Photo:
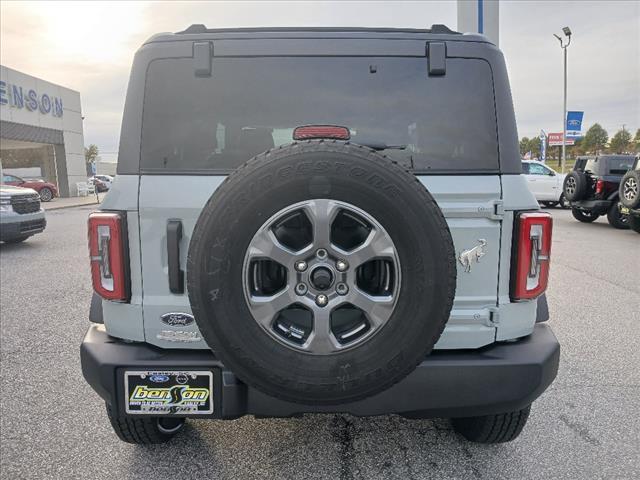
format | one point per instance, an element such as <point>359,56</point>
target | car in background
<point>46,190</point>
<point>592,188</point>
<point>545,184</point>
<point>629,194</point>
<point>106,179</point>
<point>21,214</point>
<point>99,185</point>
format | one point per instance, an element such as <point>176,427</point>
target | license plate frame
<point>168,392</point>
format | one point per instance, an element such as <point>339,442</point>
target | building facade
<point>41,131</point>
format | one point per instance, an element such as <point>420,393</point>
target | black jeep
<point>592,188</point>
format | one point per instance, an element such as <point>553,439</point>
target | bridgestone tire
<point>584,217</point>
<point>634,223</point>
<point>144,430</point>
<point>315,170</point>
<point>616,219</point>
<point>630,189</point>
<point>580,186</point>
<point>499,428</point>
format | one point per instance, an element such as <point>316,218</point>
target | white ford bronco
<point>317,221</point>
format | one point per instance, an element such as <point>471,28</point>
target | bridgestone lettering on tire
<point>321,272</point>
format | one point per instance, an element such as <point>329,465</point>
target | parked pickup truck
<point>21,215</point>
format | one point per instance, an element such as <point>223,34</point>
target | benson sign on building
<point>41,131</point>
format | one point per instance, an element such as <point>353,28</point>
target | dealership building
<point>41,131</point>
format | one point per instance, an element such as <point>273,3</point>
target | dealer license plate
<point>168,392</point>
<point>624,210</point>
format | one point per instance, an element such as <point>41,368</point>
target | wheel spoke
<point>378,309</point>
<point>321,214</point>
<point>377,245</point>
<point>321,340</point>
<point>265,308</point>
<point>266,245</point>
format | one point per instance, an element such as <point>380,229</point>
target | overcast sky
<point>89,47</point>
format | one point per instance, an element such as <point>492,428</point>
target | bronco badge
<point>467,257</point>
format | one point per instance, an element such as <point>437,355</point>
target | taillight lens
<point>599,187</point>
<point>108,254</point>
<point>309,132</point>
<point>530,273</point>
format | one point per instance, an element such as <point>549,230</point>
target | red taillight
<point>108,254</point>
<point>309,132</point>
<point>599,187</point>
<point>530,273</point>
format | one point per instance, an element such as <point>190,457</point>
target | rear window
<point>619,165</point>
<point>249,105</point>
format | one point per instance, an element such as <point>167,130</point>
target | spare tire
<point>630,189</point>
<point>575,186</point>
<point>321,272</point>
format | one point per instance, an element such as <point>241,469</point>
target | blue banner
<point>543,146</point>
<point>574,124</point>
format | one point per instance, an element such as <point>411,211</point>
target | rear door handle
<point>176,275</point>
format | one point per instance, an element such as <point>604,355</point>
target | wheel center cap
<point>322,278</point>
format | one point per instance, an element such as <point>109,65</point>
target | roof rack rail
<point>438,28</point>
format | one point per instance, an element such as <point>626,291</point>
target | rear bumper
<point>499,378</point>
<point>598,206</point>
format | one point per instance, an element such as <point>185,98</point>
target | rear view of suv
<point>592,188</point>
<point>319,221</point>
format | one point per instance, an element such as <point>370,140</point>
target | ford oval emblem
<point>159,378</point>
<point>177,319</point>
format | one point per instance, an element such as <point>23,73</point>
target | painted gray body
<point>475,207</point>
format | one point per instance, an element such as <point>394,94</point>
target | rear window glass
<point>249,105</point>
<point>619,165</point>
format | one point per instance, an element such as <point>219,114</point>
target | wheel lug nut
<point>342,265</point>
<point>342,289</point>
<point>321,253</point>
<point>301,265</point>
<point>301,289</point>
<point>322,300</point>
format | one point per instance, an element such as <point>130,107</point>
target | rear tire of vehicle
<point>634,223</point>
<point>498,428</point>
<point>340,172</point>
<point>46,194</point>
<point>17,239</point>
<point>144,430</point>
<point>630,189</point>
<point>584,216</point>
<point>616,218</point>
<point>574,186</point>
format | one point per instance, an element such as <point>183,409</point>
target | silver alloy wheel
<point>46,195</point>
<point>630,189</point>
<point>571,186</point>
<point>328,269</point>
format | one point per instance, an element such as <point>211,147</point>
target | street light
<point>567,32</point>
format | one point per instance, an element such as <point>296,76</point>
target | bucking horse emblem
<point>467,257</point>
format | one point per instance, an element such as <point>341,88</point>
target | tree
<point>90,155</point>
<point>534,147</point>
<point>636,141</point>
<point>621,142</point>
<point>524,146</point>
<point>596,138</point>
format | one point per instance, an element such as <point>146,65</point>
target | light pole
<point>567,32</point>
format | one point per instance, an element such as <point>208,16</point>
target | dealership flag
<point>574,124</point>
<point>543,146</point>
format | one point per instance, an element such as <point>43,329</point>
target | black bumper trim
<point>595,205</point>
<point>499,378</point>
<point>9,231</point>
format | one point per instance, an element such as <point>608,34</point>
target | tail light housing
<point>599,186</point>
<point>530,265</point>
<point>108,252</point>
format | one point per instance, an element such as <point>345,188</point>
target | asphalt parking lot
<point>585,426</point>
